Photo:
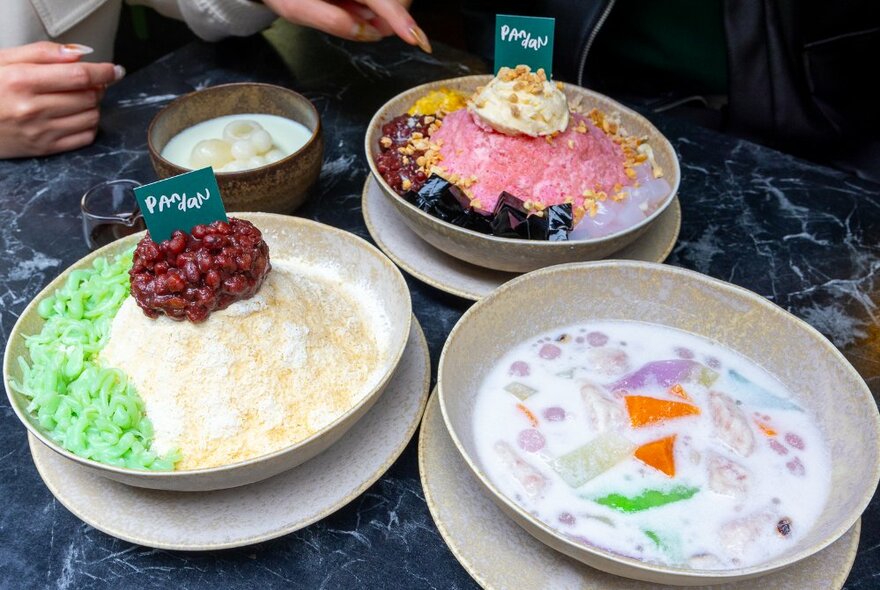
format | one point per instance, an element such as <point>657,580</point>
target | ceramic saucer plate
<point>460,278</point>
<point>498,554</point>
<point>264,510</point>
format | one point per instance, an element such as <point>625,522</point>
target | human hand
<point>358,20</point>
<point>50,100</point>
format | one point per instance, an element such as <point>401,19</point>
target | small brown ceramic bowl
<point>516,255</point>
<point>819,377</point>
<point>279,187</point>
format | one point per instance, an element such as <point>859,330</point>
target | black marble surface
<point>806,237</point>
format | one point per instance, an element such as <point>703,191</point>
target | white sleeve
<point>215,19</point>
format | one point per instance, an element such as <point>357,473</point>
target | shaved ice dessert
<point>517,159</point>
<point>197,352</point>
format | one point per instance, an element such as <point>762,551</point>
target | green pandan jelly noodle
<point>90,410</point>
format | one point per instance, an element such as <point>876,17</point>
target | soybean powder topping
<point>263,374</point>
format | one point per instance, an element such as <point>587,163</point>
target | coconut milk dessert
<point>236,142</point>
<point>652,443</point>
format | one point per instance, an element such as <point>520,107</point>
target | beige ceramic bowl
<point>291,238</point>
<point>806,363</point>
<point>511,254</point>
<point>279,187</point>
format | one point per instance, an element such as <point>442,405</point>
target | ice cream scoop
<point>520,102</point>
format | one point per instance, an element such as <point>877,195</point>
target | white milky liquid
<point>731,519</point>
<point>287,135</point>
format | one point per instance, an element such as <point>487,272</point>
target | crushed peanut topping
<point>385,142</point>
<point>406,184</point>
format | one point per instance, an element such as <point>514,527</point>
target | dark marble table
<point>806,237</point>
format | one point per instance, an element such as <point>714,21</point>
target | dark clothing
<point>795,73</point>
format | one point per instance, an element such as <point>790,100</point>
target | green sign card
<point>524,40</point>
<point>180,202</point>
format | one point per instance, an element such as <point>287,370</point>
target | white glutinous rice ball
<point>211,152</point>
<point>243,149</point>
<point>256,162</point>
<point>240,129</point>
<point>234,166</point>
<point>274,155</point>
<point>262,141</point>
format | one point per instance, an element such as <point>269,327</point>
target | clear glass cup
<point>110,211</point>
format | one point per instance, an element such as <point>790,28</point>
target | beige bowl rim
<point>574,547</point>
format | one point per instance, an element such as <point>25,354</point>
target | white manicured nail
<point>119,72</point>
<point>76,49</point>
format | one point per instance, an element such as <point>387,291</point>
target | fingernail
<point>76,49</point>
<point>366,32</point>
<point>119,72</point>
<point>421,39</point>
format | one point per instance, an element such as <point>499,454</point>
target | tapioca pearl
<point>597,339</point>
<point>243,150</point>
<point>684,353</point>
<point>566,518</point>
<point>240,129</point>
<point>549,352</point>
<point>261,141</point>
<point>777,447</point>
<point>531,440</point>
<point>796,467</point>
<point>554,414</point>
<point>794,441</point>
<point>519,369</point>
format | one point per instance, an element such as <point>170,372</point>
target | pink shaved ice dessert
<point>521,162</point>
<point>546,171</point>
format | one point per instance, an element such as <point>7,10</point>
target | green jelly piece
<point>520,390</point>
<point>754,395</point>
<point>594,458</point>
<point>647,499</point>
<point>706,376</point>
<point>654,537</point>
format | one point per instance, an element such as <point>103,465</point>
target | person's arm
<point>358,20</point>
<point>213,20</point>
<point>49,100</point>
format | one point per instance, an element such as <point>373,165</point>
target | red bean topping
<point>190,275</point>
<point>391,163</point>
